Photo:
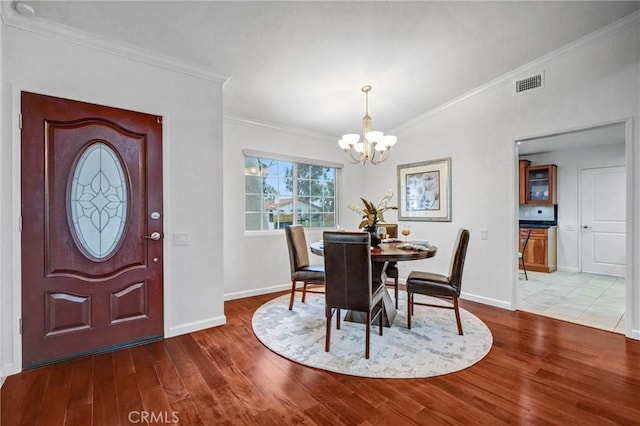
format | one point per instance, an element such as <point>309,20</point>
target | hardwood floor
<point>539,371</point>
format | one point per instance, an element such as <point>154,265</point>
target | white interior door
<point>603,220</point>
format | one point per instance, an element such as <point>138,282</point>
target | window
<point>281,191</point>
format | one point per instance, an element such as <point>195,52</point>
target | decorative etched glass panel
<point>98,201</point>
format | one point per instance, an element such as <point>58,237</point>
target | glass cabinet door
<point>538,184</point>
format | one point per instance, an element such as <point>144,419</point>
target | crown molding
<point>631,20</point>
<point>249,122</point>
<point>83,38</point>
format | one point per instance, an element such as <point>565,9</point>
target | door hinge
<point>159,120</point>
<point>20,121</point>
<point>20,326</point>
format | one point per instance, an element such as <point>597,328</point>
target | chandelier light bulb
<point>389,140</point>
<point>374,136</point>
<point>351,138</point>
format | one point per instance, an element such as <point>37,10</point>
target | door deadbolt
<point>155,215</point>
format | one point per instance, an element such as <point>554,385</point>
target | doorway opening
<point>590,217</point>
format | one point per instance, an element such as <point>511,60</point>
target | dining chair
<point>312,276</point>
<point>347,265</point>
<point>440,286</point>
<point>524,242</point>
<point>392,267</point>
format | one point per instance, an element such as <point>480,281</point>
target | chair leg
<point>304,292</point>
<point>367,335</point>
<point>293,294</point>
<point>327,339</point>
<point>380,318</point>
<point>409,308</point>
<point>338,318</point>
<point>457,310</point>
<point>524,268</point>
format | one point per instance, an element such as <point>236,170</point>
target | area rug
<point>432,347</point>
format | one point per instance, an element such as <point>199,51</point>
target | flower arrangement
<point>373,214</point>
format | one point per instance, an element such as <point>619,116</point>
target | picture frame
<point>424,191</point>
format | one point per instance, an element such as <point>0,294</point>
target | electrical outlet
<point>484,234</point>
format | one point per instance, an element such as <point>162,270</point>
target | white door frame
<point>632,284</point>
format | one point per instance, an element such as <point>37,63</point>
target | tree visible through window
<point>280,192</point>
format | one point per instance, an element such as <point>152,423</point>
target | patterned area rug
<point>432,347</point>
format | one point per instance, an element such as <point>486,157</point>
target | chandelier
<point>374,145</point>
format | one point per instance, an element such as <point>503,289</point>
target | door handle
<point>586,227</point>
<point>155,236</point>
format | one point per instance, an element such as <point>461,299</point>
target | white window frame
<point>296,161</point>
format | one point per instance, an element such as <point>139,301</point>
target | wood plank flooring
<point>539,371</point>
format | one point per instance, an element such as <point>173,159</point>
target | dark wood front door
<point>92,260</point>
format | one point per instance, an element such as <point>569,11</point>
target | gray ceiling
<point>302,64</point>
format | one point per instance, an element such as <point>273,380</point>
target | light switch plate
<point>484,234</point>
<point>181,239</point>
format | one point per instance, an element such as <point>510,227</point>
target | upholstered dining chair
<point>347,265</point>
<point>441,286</point>
<point>524,242</point>
<point>311,276</point>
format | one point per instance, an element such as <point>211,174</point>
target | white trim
<point>604,32</point>
<point>16,202</point>
<point>256,292</point>
<point>632,288</point>
<point>503,304</point>
<point>249,122</point>
<point>572,269</point>
<point>196,326</point>
<point>571,130</point>
<point>292,158</point>
<point>93,41</point>
<point>2,238</point>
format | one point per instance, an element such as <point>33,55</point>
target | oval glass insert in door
<point>98,201</point>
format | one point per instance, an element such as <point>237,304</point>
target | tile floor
<point>594,300</point>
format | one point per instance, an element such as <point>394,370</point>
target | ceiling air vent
<point>528,83</point>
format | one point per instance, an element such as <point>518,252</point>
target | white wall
<point>592,82</point>
<point>258,262</point>
<point>569,163</point>
<point>191,104</point>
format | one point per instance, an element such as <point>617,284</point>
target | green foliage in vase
<point>373,214</point>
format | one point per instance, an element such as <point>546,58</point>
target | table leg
<point>379,278</point>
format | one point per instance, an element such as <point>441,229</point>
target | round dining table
<point>381,255</point>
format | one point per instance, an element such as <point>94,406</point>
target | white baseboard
<point>8,370</point>
<point>257,291</point>
<point>486,301</point>
<point>197,326</point>
<point>568,269</point>
<point>480,299</point>
<point>635,334</point>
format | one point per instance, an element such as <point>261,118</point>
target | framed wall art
<point>424,191</point>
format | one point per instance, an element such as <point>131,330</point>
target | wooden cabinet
<point>522,180</point>
<point>541,252</point>
<point>541,185</point>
